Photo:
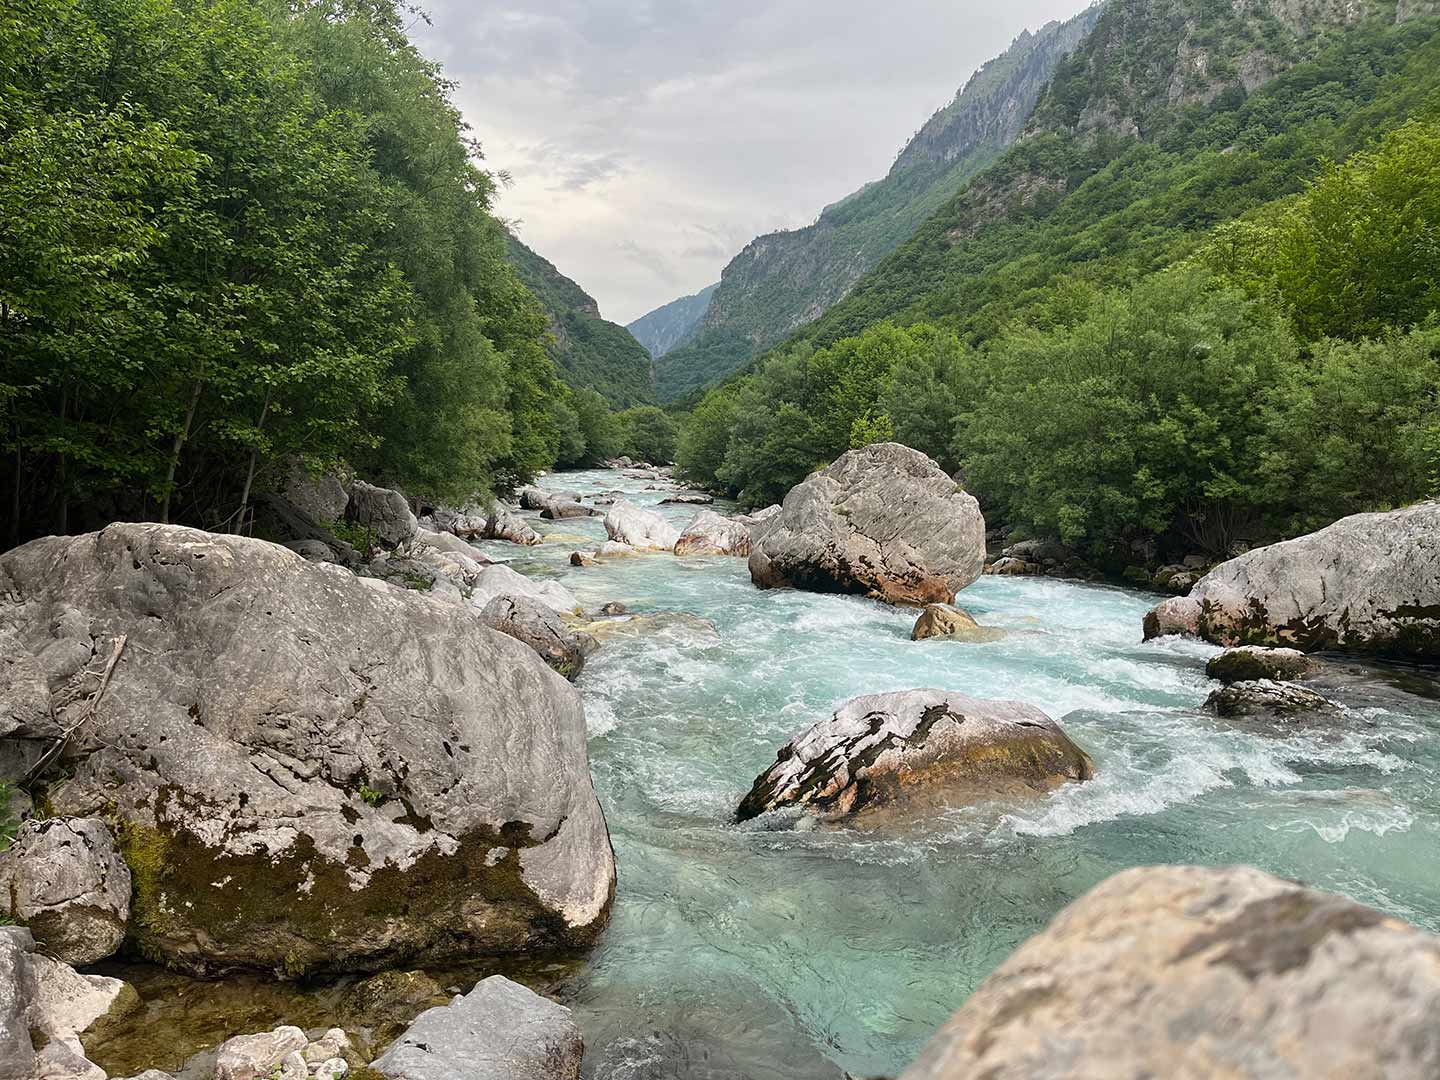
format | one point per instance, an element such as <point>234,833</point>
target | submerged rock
<point>1366,584</point>
<point>1264,697</point>
<point>531,622</point>
<point>498,1031</point>
<point>917,749</point>
<point>64,879</point>
<point>651,623</point>
<point>948,621</point>
<point>643,530</point>
<point>711,534</point>
<point>1200,972</point>
<point>308,773</point>
<point>385,514</point>
<point>885,521</point>
<point>1250,662</point>
<point>385,1003</point>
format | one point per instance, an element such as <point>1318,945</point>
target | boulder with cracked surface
<point>498,1031</point>
<point>310,774</point>
<point>884,521</point>
<point>384,513</point>
<point>1203,972</point>
<point>711,534</point>
<point>503,523</point>
<point>500,580</point>
<point>65,880</point>
<point>1266,697</point>
<point>1368,584</point>
<point>916,751</point>
<point>534,624</point>
<point>643,530</point>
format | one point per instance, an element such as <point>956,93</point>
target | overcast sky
<point>650,140</point>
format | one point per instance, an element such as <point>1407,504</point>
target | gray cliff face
<point>784,280</point>
<point>667,328</point>
<point>310,771</point>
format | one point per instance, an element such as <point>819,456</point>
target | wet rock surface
<point>643,530</point>
<point>948,621</point>
<point>1265,697</point>
<point>915,751</point>
<point>885,521</point>
<point>711,534</point>
<point>1250,662</point>
<point>1199,972</point>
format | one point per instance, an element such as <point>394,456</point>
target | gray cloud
<point>650,140</point>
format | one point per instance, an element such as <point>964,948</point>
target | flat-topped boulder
<point>643,530</point>
<point>1249,662</point>
<point>65,880</point>
<point>308,772</point>
<point>884,521</point>
<point>1182,971</point>
<point>917,750</point>
<point>500,580</point>
<point>1366,584</point>
<point>498,1031</point>
<point>711,534</point>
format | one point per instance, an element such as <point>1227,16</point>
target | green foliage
<point>370,796</point>
<point>647,433</point>
<point>235,230</point>
<point>589,352</point>
<point>9,823</point>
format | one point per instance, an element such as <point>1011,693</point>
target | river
<point>773,951</point>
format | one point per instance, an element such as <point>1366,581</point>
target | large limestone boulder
<point>309,773</point>
<point>384,513</point>
<point>65,880</point>
<point>643,530</point>
<point>1367,584</point>
<point>498,1031</point>
<point>46,1007</point>
<point>1181,971</point>
<point>711,534</point>
<point>917,750</point>
<point>885,521</point>
<point>539,627</point>
<point>322,494</point>
<point>503,523</point>
<point>500,580</point>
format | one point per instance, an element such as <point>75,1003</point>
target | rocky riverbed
<point>793,946</point>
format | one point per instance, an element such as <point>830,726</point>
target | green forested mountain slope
<point>1195,307</point>
<point>1173,116</point>
<point>784,280</point>
<point>588,350</point>
<point>667,328</point>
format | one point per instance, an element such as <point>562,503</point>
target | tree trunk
<point>250,473</point>
<point>180,437</point>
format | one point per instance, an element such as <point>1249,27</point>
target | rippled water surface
<point>768,951</point>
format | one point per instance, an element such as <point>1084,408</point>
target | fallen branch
<point>86,715</point>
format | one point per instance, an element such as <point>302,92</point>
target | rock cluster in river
<point>1200,972</point>
<point>1366,584</point>
<point>884,521</point>
<point>309,773</point>
<point>916,750</point>
<point>643,530</point>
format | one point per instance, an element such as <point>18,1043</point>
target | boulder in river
<point>65,880</point>
<point>564,510</point>
<point>692,629</point>
<point>1366,584</point>
<point>1181,971</point>
<point>643,530</point>
<point>498,1031</point>
<point>500,580</point>
<point>884,521</point>
<point>688,498</point>
<point>949,621</point>
<point>1249,662</point>
<point>383,513</point>
<point>531,622</point>
<point>711,534</point>
<point>917,750</point>
<point>503,523</point>
<point>308,773</point>
<point>1265,697</point>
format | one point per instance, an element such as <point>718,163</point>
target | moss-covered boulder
<point>309,773</point>
<point>957,624</point>
<point>1249,662</point>
<point>917,751</point>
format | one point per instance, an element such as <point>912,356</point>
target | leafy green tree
<point>648,433</point>
<point>704,437</point>
<point>600,427</point>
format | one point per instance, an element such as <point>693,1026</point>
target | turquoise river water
<point>769,951</point>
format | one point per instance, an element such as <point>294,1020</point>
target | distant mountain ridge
<point>784,280</point>
<point>666,328</point>
<point>588,350</point>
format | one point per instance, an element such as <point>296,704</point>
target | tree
<point>648,434</point>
